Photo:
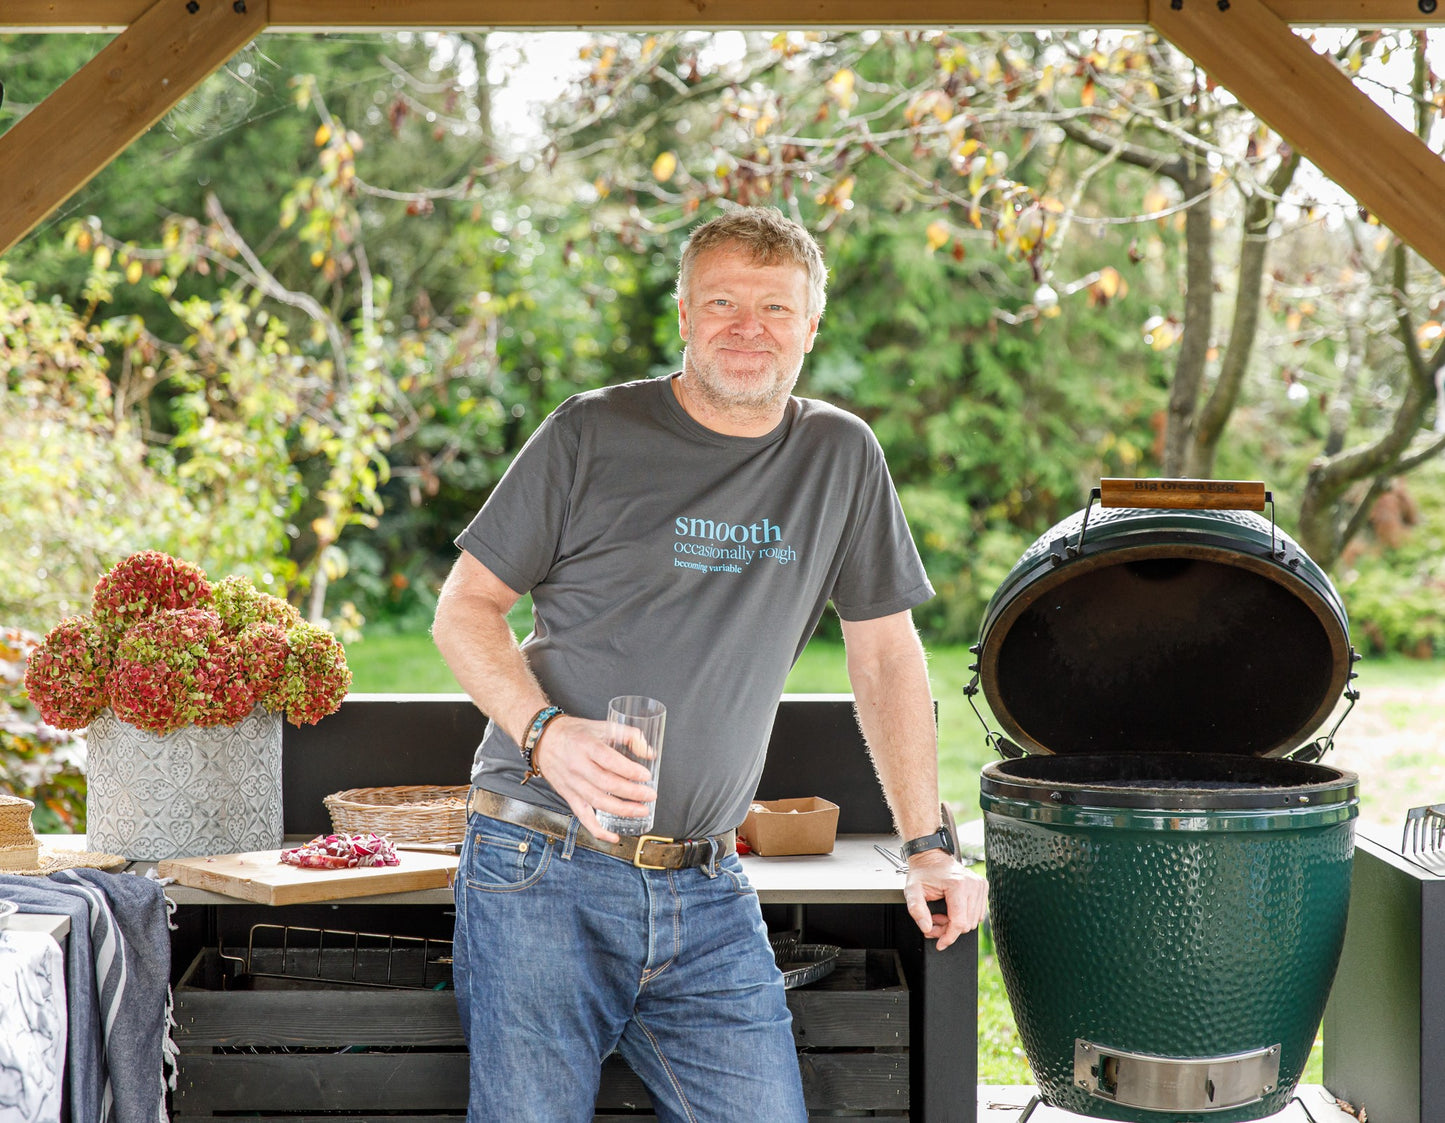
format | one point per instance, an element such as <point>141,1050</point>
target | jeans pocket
<point>505,859</point>
<point>732,869</point>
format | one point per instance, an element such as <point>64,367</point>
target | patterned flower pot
<point>200,790</point>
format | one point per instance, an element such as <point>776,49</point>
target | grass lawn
<point>409,663</point>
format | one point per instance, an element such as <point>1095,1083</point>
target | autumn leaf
<point>841,88</point>
<point>323,135</point>
<point>962,153</point>
<point>938,236</point>
<point>840,196</point>
<point>1161,332</point>
<point>1106,286</point>
<point>664,167</point>
<point>1156,201</point>
<point>930,103</point>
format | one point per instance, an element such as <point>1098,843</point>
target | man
<point>680,538</point>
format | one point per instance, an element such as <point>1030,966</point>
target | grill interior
<point>1163,654</point>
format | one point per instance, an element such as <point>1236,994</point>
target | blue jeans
<point>564,955</point>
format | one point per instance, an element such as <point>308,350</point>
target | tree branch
<point>268,284</point>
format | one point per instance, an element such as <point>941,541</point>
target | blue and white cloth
<point>118,967</point>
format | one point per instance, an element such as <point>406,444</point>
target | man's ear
<point>812,332</point>
<point>682,319</point>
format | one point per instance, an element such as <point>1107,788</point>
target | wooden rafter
<point>166,47</point>
<point>102,15</point>
<point>1317,109</point>
<point>56,148</point>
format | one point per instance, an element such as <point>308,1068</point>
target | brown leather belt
<point>646,851</point>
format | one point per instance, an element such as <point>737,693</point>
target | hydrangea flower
<point>164,648</point>
<point>66,675</point>
<point>240,604</point>
<point>316,677</point>
<point>163,674</point>
<point>144,583</point>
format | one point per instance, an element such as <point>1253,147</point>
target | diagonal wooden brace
<point>57,147</point>
<point>1303,96</point>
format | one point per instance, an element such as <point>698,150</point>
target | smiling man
<point>680,538</point>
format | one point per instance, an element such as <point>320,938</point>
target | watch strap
<point>941,839</point>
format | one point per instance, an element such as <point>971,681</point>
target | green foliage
<point>1393,580</point>
<point>113,440</point>
<point>320,360</point>
<point>1396,608</point>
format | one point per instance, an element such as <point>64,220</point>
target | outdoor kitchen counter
<point>893,1030</point>
<point>853,874</point>
<point>852,898</point>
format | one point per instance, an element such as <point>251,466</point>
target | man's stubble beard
<point>703,387</point>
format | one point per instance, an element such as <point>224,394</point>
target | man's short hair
<point>770,237</point>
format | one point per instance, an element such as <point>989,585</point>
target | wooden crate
<point>294,1047</point>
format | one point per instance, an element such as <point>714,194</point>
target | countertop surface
<point>854,873</point>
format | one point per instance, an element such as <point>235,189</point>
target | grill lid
<point>1163,627</point>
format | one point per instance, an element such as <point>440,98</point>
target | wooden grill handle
<point>1192,495</point>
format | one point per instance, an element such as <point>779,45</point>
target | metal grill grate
<point>343,957</point>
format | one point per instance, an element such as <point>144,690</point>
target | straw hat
<point>21,852</point>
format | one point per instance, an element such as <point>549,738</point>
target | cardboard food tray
<point>260,876</point>
<point>791,826</point>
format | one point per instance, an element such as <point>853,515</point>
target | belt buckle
<point>643,840</point>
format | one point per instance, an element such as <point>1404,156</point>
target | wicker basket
<point>414,813</point>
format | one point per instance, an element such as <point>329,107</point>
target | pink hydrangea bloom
<point>164,648</point>
<point>66,675</point>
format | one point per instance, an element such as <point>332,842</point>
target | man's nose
<point>748,322</point>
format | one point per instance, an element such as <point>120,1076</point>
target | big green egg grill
<point>1169,866</point>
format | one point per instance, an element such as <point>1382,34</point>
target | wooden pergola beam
<point>168,46</point>
<point>1310,102</point>
<point>56,148</point>
<point>375,15</point>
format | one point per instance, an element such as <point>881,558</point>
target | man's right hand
<point>576,758</point>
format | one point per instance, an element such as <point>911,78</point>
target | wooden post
<point>57,147</point>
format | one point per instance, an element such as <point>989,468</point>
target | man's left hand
<point>935,875</point>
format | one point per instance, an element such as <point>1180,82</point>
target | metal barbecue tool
<point>1424,830</point>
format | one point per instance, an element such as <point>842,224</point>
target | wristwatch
<point>941,839</point>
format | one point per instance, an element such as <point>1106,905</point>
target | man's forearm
<point>477,643</point>
<point>889,675</point>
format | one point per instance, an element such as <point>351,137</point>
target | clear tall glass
<point>649,717</point>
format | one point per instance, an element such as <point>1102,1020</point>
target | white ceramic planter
<point>200,790</point>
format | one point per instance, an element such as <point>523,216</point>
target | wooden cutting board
<point>261,876</point>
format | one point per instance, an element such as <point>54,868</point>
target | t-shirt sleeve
<point>881,572</point>
<point>518,532</point>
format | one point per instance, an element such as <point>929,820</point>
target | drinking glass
<point>650,716</point>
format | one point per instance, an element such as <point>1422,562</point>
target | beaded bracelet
<point>534,734</point>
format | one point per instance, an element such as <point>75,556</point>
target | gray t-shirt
<point>669,560</point>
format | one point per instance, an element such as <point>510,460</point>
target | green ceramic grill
<point>1169,867</point>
